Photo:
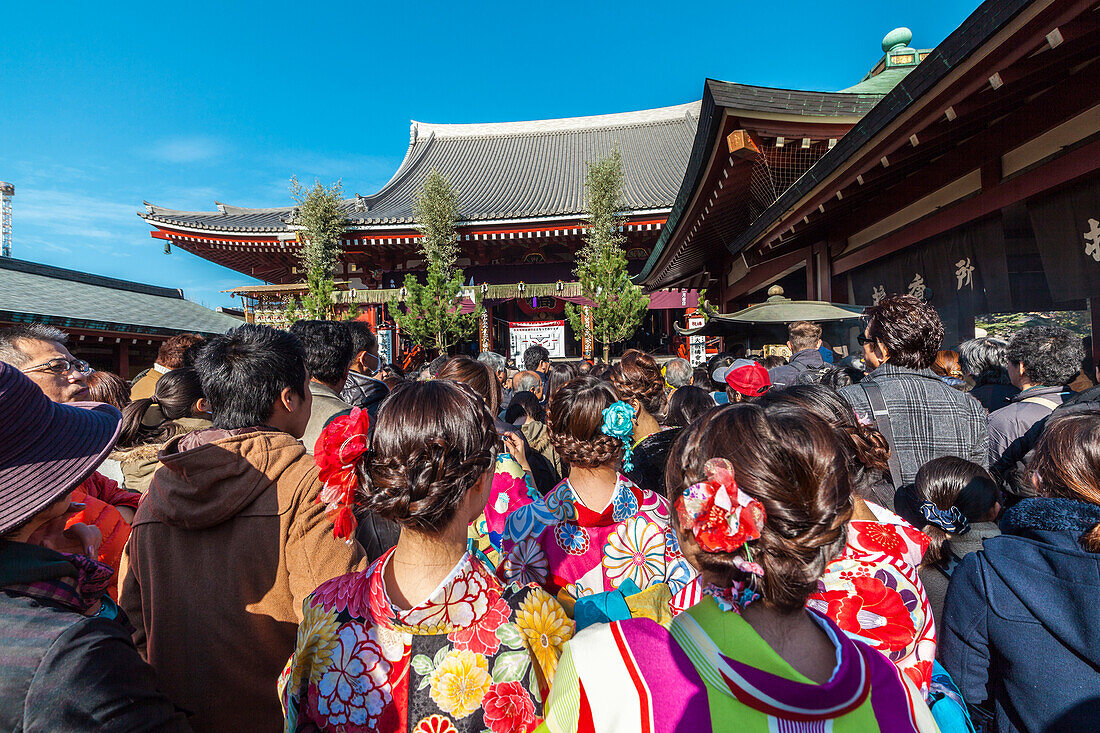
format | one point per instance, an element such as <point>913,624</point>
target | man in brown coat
<point>230,538</point>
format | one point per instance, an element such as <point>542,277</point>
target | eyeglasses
<point>61,367</point>
<point>863,340</point>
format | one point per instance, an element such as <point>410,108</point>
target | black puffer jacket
<point>364,392</point>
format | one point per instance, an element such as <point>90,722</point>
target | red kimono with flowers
<point>872,592</point>
<point>473,657</point>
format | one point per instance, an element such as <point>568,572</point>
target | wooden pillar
<point>124,359</point>
<point>1094,310</point>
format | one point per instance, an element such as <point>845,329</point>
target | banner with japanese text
<point>548,334</point>
<point>697,344</point>
<point>385,346</point>
<point>1067,233</point>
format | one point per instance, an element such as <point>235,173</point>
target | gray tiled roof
<point>791,101</point>
<point>67,297</point>
<point>505,170</point>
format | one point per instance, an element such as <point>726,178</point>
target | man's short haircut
<point>10,353</point>
<point>495,361</point>
<point>527,381</point>
<point>244,372</point>
<point>171,352</point>
<point>803,335</point>
<point>328,350</point>
<point>1051,355</point>
<point>909,328</point>
<point>984,359</point>
<point>678,372</point>
<point>535,355</point>
<point>362,338</point>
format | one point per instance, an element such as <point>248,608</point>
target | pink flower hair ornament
<point>721,516</point>
<point>340,446</point>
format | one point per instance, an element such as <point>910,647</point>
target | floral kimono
<point>873,592</point>
<point>711,671</point>
<point>512,488</point>
<point>472,657</point>
<point>573,551</point>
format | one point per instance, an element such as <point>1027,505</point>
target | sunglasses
<point>61,367</point>
<point>864,341</point>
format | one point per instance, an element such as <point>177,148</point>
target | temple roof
<point>504,170</point>
<point>508,171</point>
<point>44,294</point>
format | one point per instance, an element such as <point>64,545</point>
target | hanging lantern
<point>484,288</point>
<point>560,286</point>
<point>521,287</point>
<point>404,292</point>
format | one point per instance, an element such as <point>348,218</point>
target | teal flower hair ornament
<point>618,422</point>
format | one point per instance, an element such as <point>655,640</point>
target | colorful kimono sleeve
<point>567,697</point>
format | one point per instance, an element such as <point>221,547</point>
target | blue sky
<point>103,105</point>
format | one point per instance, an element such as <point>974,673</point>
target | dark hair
<point>984,360</point>
<point>686,405</point>
<point>559,375</point>
<point>909,328</point>
<point>392,369</point>
<point>432,441</point>
<point>869,450</point>
<point>700,377</point>
<point>773,361</point>
<point>724,359</point>
<point>479,375</point>
<point>149,420</point>
<point>575,418</point>
<point>599,370</point>
<point>803,335</point>
<point>108,387</point>
<point>1051,355</point>
<point>525,403</point>
<point>328,351</point>
<point>793,462</point>
<point>171,352</point>
<point>535,355</point>
<point>947,364</point>
<point>11,354</point>
<point>637,376</point>
<point>244,372</point>
<point>948,482</point>
<point>435,365</point>
<point>1066,463</point>
<point>362,338</point>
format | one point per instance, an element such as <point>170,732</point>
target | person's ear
<point>201,406</point>
<point>288,399</point>
<point>818,344</point>
<point>880,351</point>
<point>790,346</point>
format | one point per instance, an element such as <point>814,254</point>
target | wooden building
<point>115,325</point>
<point>974,183</point>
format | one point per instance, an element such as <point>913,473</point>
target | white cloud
<point>186,149</point>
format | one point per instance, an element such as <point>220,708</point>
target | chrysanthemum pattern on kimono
<point>563,545</point>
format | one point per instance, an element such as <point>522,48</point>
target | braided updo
<point>793,462</point>
<point>575,419</point>
<point>637,376</point>
<point>432,441</point>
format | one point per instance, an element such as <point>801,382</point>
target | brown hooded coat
<point>227,543</point>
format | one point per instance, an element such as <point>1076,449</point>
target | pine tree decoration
<point>321,216</point>
<point>619,305</point>
<point>429,314</point>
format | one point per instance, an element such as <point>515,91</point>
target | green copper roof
<point>881,83</point>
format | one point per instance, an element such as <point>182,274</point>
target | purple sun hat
<point>46,449</point>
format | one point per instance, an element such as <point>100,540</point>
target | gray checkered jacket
<point>929,419</point>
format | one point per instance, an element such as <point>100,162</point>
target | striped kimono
<point>711,671</point>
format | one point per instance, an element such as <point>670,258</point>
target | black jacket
<point>542,471</point>
<point>786,374</point>
<point>993,396</point>
<point>1021,624</point>
<point>650,457</point>
<point>63,671</point>
<point>364,392</point>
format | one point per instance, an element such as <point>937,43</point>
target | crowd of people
<point>272,530</point>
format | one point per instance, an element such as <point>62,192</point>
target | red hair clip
<point>718,513</point>
<point>341,444</point>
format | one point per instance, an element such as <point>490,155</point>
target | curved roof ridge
<point>229,209</point>
<point>589,122</point>
<point>755,87</point>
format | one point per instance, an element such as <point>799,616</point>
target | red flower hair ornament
<point>341,444</point>
<point>719,514</point>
